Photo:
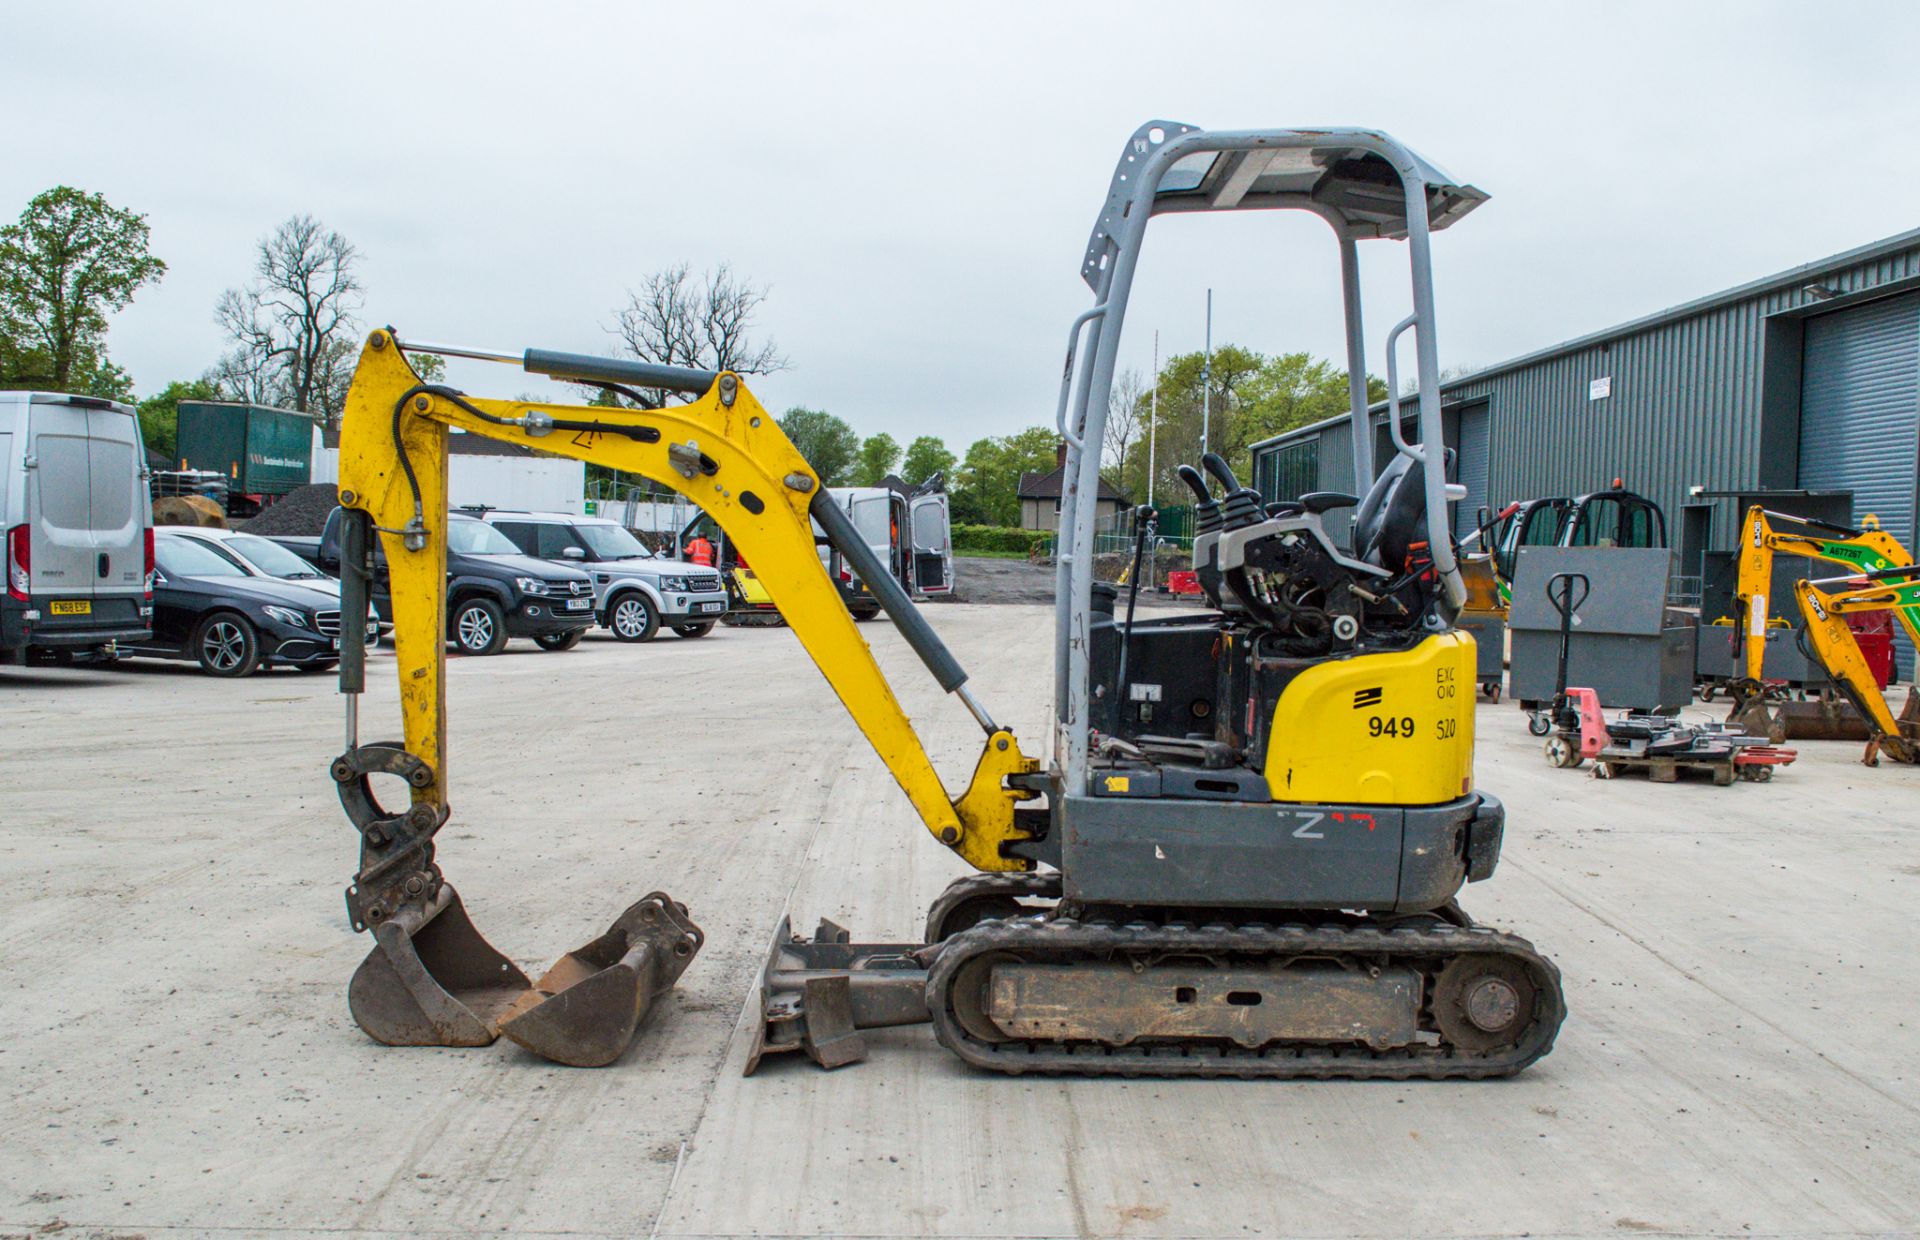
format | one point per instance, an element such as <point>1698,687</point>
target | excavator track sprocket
<point>1321,1000</point>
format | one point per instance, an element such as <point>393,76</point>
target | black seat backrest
<point>1366,517</point>
<point>1399,519</point>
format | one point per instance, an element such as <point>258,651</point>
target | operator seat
<point>1393,516</point>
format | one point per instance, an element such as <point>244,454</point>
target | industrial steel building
<point>1806,379</point>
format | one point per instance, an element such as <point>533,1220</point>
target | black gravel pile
<point>302,511</point>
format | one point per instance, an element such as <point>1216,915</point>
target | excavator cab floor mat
<point>432,979</point>
<point>585,1009</point>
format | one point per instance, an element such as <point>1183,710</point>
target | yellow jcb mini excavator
<point>1243,856</point>
<point>1886,568</point>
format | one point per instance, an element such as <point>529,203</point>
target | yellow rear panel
<point>1378,729</point>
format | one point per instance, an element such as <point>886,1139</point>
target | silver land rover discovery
<point>634,591</point>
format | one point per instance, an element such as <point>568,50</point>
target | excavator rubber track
<point>1331,974</point>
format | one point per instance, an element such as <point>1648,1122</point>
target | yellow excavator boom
<point>431,978</point>
<point>1838,651</point>
<point>1764,535</point>
<point>724,452</point>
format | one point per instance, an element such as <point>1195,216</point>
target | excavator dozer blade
<point>584,1010</point>
<point>432,979</point>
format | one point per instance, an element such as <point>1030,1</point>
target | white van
<point>908,529</point>
<point>78,526</point>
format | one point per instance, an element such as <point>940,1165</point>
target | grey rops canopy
<point>1366,186</point>
<point>1340,174</point>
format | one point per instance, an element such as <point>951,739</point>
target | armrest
<point>1327,501</point>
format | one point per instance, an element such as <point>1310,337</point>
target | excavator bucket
<point>1827,717</point>
<point>584,1010</point>
<point>432,980</point>
<point>1758,716</point>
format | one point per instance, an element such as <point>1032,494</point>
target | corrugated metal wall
<point>1685,407</point>
<point>1684,410</point>
<point>1861,394</point>
<point>1475,453</point>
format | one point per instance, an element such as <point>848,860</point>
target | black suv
<point>493,592</point>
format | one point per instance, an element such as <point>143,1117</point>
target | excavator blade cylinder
<point>432,980</point>
<point>584,1010</point>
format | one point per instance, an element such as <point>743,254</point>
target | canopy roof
<point>1351,177</point>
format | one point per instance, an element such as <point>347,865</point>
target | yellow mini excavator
<point>1885,579</point>
<point>1243,855</point>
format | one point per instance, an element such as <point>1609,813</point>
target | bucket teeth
<point>584,1010</point>
<point>432,979</point>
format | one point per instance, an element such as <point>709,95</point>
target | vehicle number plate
<point>708,609</point>
<point>336,643</point>
<point>579,604</point>
<point>71,607</point>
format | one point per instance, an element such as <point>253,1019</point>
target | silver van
<point>635,592</point>
<point>79,526</point>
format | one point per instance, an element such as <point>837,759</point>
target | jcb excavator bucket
<point>1828,717</point>
<point>1757,716</point>
<point>432,980</point>
<point>584,1010</point>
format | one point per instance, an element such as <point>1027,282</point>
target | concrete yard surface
<point>177,1057</point>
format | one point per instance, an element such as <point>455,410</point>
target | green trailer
<point>259,450</point>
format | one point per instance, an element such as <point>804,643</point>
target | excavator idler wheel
<point>1483,1003</point>
<point>971,994</point>
<point>584,1011</point>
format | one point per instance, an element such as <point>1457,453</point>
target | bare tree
<point>1125,421</point>
<point>293,328</point>
<point>704,322</point>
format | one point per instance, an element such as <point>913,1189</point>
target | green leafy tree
<point>987,485</point>
<point>160,413</point>
<point>830,445</point>
<point>70,260</point>
<point>927,456</point>
<point>1252,397</point>
<point>1293,390</point>
<point>878,455</point>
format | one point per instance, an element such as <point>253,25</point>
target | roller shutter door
<point>1475,449</point>
<point>1860,413</point>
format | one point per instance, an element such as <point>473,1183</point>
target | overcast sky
<point>917,190</point>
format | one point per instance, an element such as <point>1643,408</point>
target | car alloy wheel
<point>479,627</point>
<point>227,647</point>
<point>476,628</point>
<point>633,619</point>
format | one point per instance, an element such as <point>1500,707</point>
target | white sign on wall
<point>1600,388</point>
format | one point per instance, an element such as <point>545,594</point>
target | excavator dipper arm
<point>1838,651</point>
<point>726,453</point>
<point>1764,535</point>
<point>431,978</point>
